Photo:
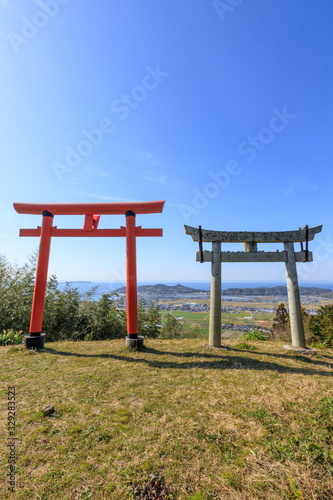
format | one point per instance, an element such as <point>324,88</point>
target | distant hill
<point>63,282</point>
<point>163,289</point>
<point>278,290</point>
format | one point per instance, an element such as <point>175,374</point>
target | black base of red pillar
<point>134,342</point>
<point>33,341</point>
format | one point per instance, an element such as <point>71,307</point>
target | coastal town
<point>241,312</point>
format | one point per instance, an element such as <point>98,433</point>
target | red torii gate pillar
<point>35,339</point>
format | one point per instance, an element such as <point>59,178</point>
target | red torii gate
<point>92,213</point>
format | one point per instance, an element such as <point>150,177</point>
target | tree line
<point>68,314</point>
<point>318,328</point>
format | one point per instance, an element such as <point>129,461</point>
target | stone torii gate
<point>92,213</point>
<point>251,254</point>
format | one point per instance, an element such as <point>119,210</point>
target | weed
<point>233,479</point>
<point>295,493</point>
<point>264,417</point>
<point>254,335</point>
<point>154,489</point>
<point>225,444</point>
<point>245,345</point>
<point>11,337</point>
<point>197,496</point>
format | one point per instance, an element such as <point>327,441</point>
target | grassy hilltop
<point>214,423</point>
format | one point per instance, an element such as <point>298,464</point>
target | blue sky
<point>221,108</point>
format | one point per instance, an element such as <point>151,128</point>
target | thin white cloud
<point>148,157</point>
<point>148,175</point>
<point>306,184</point>
<point>163,180</point>
<point>103,197</point>
<point>151,174</point>
<point>299,184</point>
<point>87,171</point>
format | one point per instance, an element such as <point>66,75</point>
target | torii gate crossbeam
<point>92,213</point>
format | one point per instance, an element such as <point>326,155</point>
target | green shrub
<point>67,314</point>
<point>101,320</point>
<point>254,335</point>
<point>61,311</point>
<point>16,290</point>
<point>149,318</point>
<point>191,331</point>
<point>319,327</point>
<point>171,329</point>
<point>11,337</point>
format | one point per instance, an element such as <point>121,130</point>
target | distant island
<point>80,281</point>
<point>74,282</point>
<point>161,289</point>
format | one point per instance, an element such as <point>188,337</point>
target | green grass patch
<point>245,345</point>
<point>187,315</point>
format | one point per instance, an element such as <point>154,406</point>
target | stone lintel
<point>255,256</point>
<point>254,237</point>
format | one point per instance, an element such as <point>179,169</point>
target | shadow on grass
<point>211,361</point>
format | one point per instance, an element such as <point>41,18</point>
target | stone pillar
<point>295,309</point>
<point>215,297</point>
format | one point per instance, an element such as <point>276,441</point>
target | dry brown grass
<point>217,424</point>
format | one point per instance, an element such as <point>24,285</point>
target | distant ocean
<point>107,287</point>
